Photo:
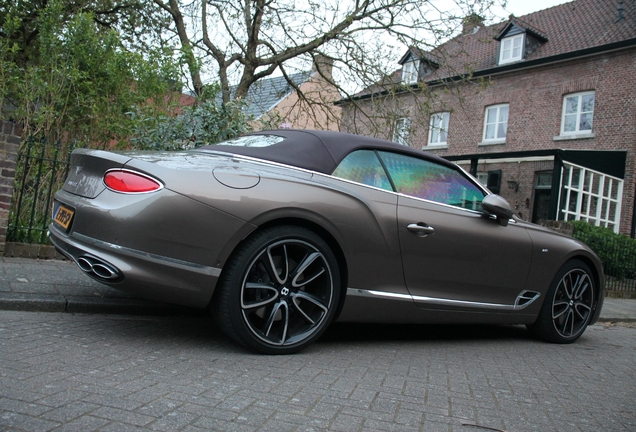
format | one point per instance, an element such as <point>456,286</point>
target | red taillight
<point>130,182</point>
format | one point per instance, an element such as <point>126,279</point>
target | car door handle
<point>421,229</point>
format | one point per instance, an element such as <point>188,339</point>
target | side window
<point>578,112</point>
<point>363,166</point>
<point>496,123</point>
<point>438,129</point>
<point>401,131</point>
<point>431,181</point>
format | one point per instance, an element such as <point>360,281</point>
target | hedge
<point>616,251</point>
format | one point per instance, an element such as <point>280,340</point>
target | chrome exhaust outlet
<point>98,268</point>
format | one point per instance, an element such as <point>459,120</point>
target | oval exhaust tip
<point>104,271</point>
<point>99,269</point>
<point>84,264</point>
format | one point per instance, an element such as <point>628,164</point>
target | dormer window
<point>416,64</point>
<point>517,41</point>
<point>511,49</point>
<point>410,71</point>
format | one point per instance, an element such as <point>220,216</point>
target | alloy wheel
<point>572,303</point>
<point>287,292</point>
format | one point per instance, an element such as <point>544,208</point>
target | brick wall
<point>9,146</point>
<point>536,100</point>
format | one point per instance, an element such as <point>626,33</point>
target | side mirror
<point>498,206</point>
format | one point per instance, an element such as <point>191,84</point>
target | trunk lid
<point>86,173</point>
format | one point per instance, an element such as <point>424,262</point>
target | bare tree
<point>244,41</point>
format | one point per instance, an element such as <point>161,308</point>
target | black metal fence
<point>621,285</point>
<point>619,265</point>
<point>41,170</point>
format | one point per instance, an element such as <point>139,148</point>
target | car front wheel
<point>279,292</point>
<point>569,304</point>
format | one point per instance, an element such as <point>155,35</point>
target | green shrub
<point>77,81</point>
<point>205,122</point>
<point>616,251</point>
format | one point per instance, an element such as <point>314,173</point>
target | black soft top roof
<point>315,150</point>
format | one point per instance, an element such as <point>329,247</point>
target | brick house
<point>540,108</point>
<point>270,100</point>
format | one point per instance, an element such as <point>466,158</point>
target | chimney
<point>324,63</point>
<point>620,9</point>
<point>471,23</point>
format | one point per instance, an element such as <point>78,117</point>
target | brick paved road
<point>117,373</point>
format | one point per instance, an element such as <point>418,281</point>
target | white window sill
<point>492,142</point>
<point>505,62</point>
<point>435,147</point>
<point>574,136</point>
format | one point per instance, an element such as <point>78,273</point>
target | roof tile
<point>568,27</point>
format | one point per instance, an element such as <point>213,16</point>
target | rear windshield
<point>253,141</point>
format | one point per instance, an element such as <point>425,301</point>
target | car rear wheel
<point>279,292</point>
<point>569,304</point>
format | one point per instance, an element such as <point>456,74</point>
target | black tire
<point>279,291</point>
<point>568,306</point>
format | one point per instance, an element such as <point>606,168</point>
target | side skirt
<point>383,307</point>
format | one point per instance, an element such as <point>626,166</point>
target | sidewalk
<point>60,286</point>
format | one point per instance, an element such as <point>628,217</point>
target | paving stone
<point>85,423</point>
<point>122,416</point>
<point>346,423</point>
<point>30,409</point>
<point>173,421</point>
<point>118,373</point>
<point>216,424</point>
<point>16,421</point>
<point>409,416</point>
<point>324,410</point>
<point>70,411</point>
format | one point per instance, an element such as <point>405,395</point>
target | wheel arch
<point>325,234</point>
<point>599,281</point>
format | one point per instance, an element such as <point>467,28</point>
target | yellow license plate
<point>63,216</point>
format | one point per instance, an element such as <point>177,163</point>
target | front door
<point>468,258</point>
<point>541,205</point>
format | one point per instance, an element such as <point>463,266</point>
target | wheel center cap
<point>284,291</point>
<point>571,303</point>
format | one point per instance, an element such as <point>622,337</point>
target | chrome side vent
<point>525,298</point>
<point>99,269</point>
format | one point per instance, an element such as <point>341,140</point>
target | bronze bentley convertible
<point>282,232</point>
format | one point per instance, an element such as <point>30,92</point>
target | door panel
<point>541,207</point>
<point>469,257</point>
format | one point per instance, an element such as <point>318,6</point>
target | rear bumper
<point>139,273</point>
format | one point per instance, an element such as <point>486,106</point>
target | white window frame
<point>438,123</point>
<point>582,197</point>
<point>482,178</point>
<point>507,49</point>
<point>578,113</point>
<point>410,71</point>
<point>496,139</point>
<point>401,131</point>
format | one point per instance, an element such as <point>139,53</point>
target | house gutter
<point>586,52</point>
